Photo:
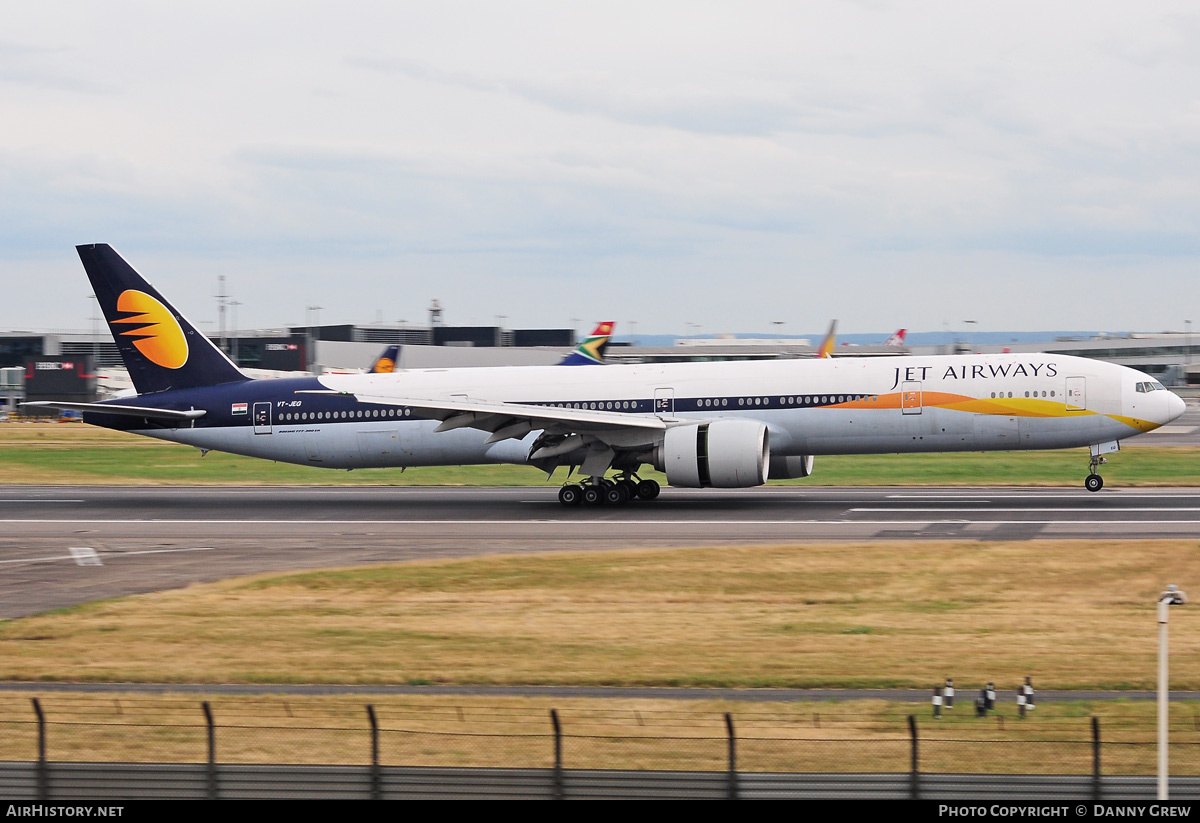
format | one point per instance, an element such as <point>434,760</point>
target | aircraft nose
<point>1175,407</point>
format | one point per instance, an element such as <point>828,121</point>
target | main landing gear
<point>596,491</point>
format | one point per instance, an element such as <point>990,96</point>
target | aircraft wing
<point>515,420</point>
<point>113,408</point>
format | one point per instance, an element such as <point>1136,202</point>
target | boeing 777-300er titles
<point>715,424</point>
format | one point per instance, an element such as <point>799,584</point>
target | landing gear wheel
<point>1094,483</point>
<point>616,494</point>
<point>648,489</point>
<point>593,495</point>
<point>570,495</point>
<point>630,488</point>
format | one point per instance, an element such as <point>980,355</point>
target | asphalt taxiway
<point>61,546</point>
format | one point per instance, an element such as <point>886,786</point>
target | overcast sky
<point>688,167</point>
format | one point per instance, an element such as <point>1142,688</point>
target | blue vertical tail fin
<point>162,350</point>
<point>386,362</point>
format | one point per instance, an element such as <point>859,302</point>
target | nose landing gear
<point>1094,481</point>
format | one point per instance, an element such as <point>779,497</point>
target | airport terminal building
<point>46,365</point>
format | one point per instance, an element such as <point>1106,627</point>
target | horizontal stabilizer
<point>112,408</point>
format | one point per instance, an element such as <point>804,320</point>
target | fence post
<point>212,751</point>
<point>558,775</point>
<point>374,752</point>
<point>1096,758</point>
<point>733,775</point>
<point>915,774</point>
<point>43,782</point>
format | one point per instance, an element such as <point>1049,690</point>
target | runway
<point>62,546</point>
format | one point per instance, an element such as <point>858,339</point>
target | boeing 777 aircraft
<point>714,424</point>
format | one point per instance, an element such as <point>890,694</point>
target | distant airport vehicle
<point>723,424</point>
<point>896,339</point>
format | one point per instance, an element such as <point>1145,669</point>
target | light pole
<point>312,317</point>
<point>95,332</point>
<point>1171,597</point>
<point>233,304</point>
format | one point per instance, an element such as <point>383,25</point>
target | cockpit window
<point>1157,386</point>
<point>1141,387</point>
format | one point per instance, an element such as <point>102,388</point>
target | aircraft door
<point>664,402</point>
<point>1076,394</point>
<point>262,418</point>
<point>910,397</point>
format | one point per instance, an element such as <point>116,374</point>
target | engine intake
<point>725,454</point>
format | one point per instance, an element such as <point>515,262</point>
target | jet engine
<point>726,454</point>
<point>788,468</point>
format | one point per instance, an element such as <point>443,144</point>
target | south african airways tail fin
<point>162,350</point>
<point>591,351</point>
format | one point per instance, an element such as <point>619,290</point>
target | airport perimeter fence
<point>115,751</point>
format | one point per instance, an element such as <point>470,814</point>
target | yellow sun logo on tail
<point>158,335</point>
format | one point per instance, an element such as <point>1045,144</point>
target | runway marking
<point>1030,509</point>
<point>38,500</point>
<point>85,556</point>
<point>167,551</point>
<point>74,556</point>
<point>593,521</point>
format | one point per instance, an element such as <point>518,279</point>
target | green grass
<point>77,454</point>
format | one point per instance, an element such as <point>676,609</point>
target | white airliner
<point>715,424</point>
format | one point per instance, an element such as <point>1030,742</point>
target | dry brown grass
<point>644,734</point>
<point>1073,614</point>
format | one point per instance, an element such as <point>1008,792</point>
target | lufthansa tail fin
<point>161,349</point>
<point>591,351</point>
<point>386,362</point>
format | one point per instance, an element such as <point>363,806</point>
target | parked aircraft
<point>591,351</point>
<point>896,339</point>
<point>588,353</point>
<point>386,362</point>
<point>828,343</point>
<point>719,424</point>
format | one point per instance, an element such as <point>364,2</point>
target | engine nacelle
<point>726,454</point>
<point>789,468</point>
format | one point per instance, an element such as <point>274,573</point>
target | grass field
<point>46,453</point>
<point>1072,614</point>
<point>827,736</point>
